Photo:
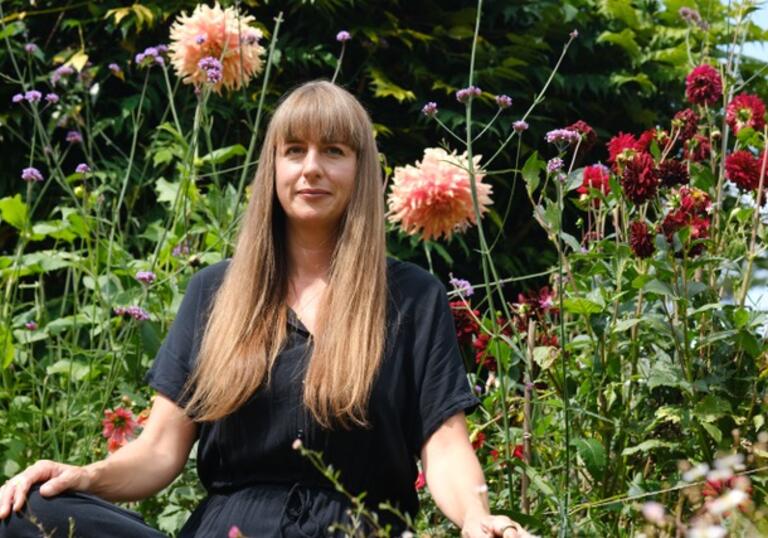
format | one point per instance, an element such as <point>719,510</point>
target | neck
<point>309,251</point>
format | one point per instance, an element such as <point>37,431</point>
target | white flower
<point>708,531</point>
<point>693,474</point>
<point>654,512</point>
<point>727,502</point>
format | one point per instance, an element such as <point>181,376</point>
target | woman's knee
<point>40,516</point>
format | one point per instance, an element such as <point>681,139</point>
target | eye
<point>293,149</point>
<point>335,150</point>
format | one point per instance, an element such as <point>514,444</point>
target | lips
<point>313,191</point>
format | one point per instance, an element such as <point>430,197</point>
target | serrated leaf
<point>647,446</point>
<point>624,39</point>
<point>580,305</point>
<point>592,453</point>
<point>14,211</point>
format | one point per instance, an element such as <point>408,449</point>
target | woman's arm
<point>136,471</point>
<point>456,482</point>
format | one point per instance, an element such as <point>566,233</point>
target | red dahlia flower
<point>695,201</point>
<point>641,239</point>
<point>479,441</point>
<point>596,177</point>
<point>677,219</point>
<point>641,179</point>
<point>465,322</point>
<point>621,148</point>
<point>588,135</point>
<point>703,85</point>
<point>698,148</point>
<point>119,426</point>
<point>745,111</point>
<point>688,122</point>
<point>673,172</point>
<point>743,168</point>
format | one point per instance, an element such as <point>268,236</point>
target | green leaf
<point>749,343</point>
<point>6,347</point>
<point>222,155</point>
<point>593,454</point>
<point>711,408</point>
<point>545,356</point>
<point>580,305</point>
<point>73,369</point>
<point>624,39</point>
<point>647,446</point>
<point>740,317</point>
<point>624,324</point>
<point>621,10</point>
<point>383,87</point>
<point>663,373</point>
<point>713,431</point>
<point>14,211</point>
<point>531,171</point>
<point>659,288</point>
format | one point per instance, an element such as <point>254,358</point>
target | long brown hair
<point>247,323</point>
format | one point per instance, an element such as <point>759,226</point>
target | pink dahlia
<point>597,177</point>
<point>703,85</point>
<point>433,198</point>
<point>119,426</point>
<point>221,34</point>
<point>743,168</point>
<point>640,180</point>
<point>745,111</point>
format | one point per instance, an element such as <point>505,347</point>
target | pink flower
<point>421,481</point>
<point>226,36</point>
<point>234,532</point>
<point>433,198</point>
<point>343,36</point>
<point>622,148</point>
<point>596,177</point>
<point>119,426</point>
<point>745,111</point>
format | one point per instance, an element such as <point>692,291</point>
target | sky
<point>759,50</point>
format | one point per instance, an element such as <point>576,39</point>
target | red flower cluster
<point>588,135</point>
<point>465,322</point>
<point>621,148</point>
<point>743,168</point>
<point>688,122</point>
<point>119,427</point>
<point>693,212</point>
<point>641,239</point>
<point>596,177</point>
<point>698,148</point>
<point>745,110</point>
<point>640,180</point>
<point>648,136</point>
<point>703,85</point>
<point>673,172</point>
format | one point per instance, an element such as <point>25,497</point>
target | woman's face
<point>314,180</point>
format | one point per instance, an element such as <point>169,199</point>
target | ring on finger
<point>507,528</point>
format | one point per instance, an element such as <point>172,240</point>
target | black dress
<point>253,476</point>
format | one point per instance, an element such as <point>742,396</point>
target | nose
<point>312,167</point>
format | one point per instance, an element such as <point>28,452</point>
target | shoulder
<point>208,279</point>
<point>408,280</point>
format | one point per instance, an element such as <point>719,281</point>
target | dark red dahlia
<point>677,219</point>
<point>641,179</point>
<point>673,172</point>
<point>674,221</point>
<point>743,168</point>
<point>596,177</point>
<point>703,85</point>
<point>621,148</point>
<point>482,355</point>
<point>588,135</point>
<point>698,148</point>
<point>645,139</point>
<point>745,110</point>
<point>695,201</point>
<point>688,122</point>
<point>464,321</point>
<point>641,239</point>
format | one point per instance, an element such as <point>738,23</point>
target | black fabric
<point>91,517</point>
<point>422,382</point>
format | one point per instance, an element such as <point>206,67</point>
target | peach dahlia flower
<point>221,34</point>
<point>433,198</point>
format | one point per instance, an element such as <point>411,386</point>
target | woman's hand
<point>488,526</point>
<point>56,478</point>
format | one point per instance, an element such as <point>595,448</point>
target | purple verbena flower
<point>182,249</point>
<point>519,126</point>
<point>212,68</point>
<point>430,109</point>
<point>151,51</point>
<point>554,165</point>
<point>32,174</point>
<point>136,312</point>
<point>61,71</point>
<point>31,325</point>
<point>33,96</point>
<point>693,17</point>
<point>464,287</point>
<point>504,101</point>
<point>18,98</point>
<point>200,39</point>
<point>343,36</point>
<point>31,48</point>
<point>146,277</point>
<point>565,136</point>
<point>464,94</point>
<point>74,137</point>
<point>162,49</point>
<point>151,56</point>
<point>82,168</point>
<point>52,98</point>
<point>574,34</point>
<point>115,68</point>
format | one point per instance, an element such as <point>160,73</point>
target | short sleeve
<point>440,376</point>
<point>174,361</point>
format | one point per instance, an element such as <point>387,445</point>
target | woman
<point>309,332</point>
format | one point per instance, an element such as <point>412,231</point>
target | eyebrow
<point>326,142</point>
